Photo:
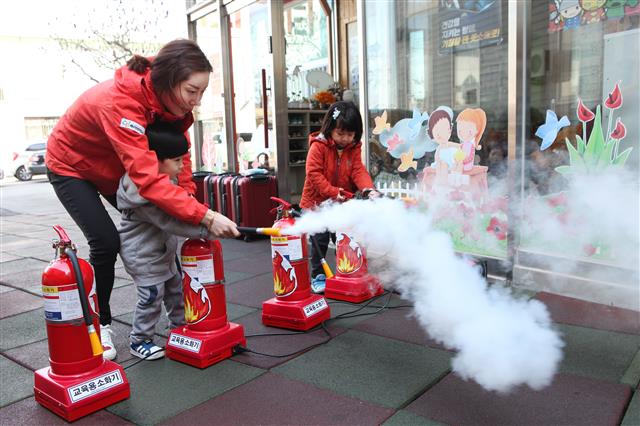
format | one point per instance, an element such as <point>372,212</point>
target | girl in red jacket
<point>102,136</point>
<point>334,169</point>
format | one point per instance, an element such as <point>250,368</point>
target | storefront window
<point>306,28</point>
<point>251,60</point>
<point>580,184</point>
<point>437,112</point>
<point>211,111</point>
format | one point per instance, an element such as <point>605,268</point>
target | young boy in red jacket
<point>334,167</point>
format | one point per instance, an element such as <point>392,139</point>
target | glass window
<point>581,156</point>
<point>39,127</point>
<point>211,111</point>
<point>306,29</point>
<point>249,33</point>
<point>437,112</point>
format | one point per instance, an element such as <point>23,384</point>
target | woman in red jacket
<point>102,136</point>
<point>334,167</point>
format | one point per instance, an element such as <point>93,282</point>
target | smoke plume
<point>502,341</point>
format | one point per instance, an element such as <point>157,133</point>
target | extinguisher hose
<point>274,232</point>
<point>325,266</point>
<point>96,346</point>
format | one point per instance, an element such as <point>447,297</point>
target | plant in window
<point>325,97</point>
<point>600,151</point>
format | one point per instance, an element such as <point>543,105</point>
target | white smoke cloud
<point>502,341</point>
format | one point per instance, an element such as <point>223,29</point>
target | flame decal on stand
<point>196,306</point>
<point>285,281</point>
<point>349,254</point>
<point>93,299</point>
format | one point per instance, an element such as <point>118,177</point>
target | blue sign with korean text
<point>465,24</point>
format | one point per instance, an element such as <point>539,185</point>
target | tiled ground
<point>377,368</point>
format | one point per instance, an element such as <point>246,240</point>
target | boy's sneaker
<point>318,284</point>
<point>106,338</point>
<point>147,350</point>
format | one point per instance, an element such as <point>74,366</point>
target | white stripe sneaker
<point>106,338</point>
<point>146,350</point>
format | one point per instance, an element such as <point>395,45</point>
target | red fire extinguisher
<point>293,306</point>
<point>202,284</point>
<point>71,321</point>
<point>207,337</point>
<point>78,381</point>
<point>289,256</point>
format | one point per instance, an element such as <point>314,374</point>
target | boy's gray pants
<point>148,308</point>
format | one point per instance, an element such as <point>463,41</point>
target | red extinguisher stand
<point>78,381</point>
<point>208,337</point>
<point>352,281</point>
<point>293,307</point>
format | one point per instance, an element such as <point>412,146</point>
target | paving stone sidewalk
<point>380,368</point>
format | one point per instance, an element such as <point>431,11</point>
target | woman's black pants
<point>82,201</point>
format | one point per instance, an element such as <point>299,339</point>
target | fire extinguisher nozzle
<point>327,269</point>
<point>274,232</point>
<point>96,345</point>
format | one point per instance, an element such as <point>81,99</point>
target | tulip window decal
<point>585,115</point>
<point>613,102</point>
<point>614,99</point>
<point>619,132</point>
<point>597,154</point>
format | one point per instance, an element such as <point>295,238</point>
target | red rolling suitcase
<point>199,179</point>
<point>215,197</point>
<point>252,205</point>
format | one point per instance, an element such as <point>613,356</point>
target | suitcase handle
<point>207,184</point>
<point>237,200</point>
<point>222,196</point>
<point>259,178</point>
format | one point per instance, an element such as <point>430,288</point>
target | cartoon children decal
<point>593,11</point>
<point>448,154</point>
<point>571,12</point>
<point>471,123</point>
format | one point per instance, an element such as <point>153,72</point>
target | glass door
<point>252,70</point>
<point>210,114</point>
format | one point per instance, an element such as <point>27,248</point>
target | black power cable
<point>350,314</point>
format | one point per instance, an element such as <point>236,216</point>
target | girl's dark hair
<point>348,119</point>
<point>437,115</point>
<point>173,64</point>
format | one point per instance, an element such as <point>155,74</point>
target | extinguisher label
<point>96,385</point>
<point>61,303</point>
<point>183,342</point>
<point>289,247</point>
<point>200,267</point>
<point>315,307</point>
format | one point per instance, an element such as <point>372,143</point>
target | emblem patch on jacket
<point>131,125</point>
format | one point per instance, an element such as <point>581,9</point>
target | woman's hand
<point>219,225</point>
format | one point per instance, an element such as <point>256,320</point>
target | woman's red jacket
<point>102,136</point>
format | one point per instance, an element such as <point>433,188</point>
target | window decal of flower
<point>585,115</point>
<point>619,132</point>
<point>598,153</point>
<point>614,99</point>
<point>497,228</point>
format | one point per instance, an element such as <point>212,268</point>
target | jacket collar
<point>140,88</point>
<point>320,138</point>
